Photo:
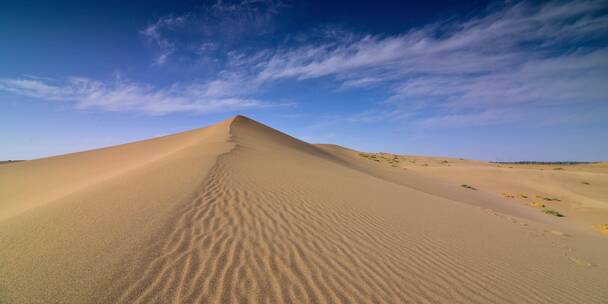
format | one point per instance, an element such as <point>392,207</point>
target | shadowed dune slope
<point>239,212</point>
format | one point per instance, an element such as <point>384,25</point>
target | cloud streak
<point>120,95</point>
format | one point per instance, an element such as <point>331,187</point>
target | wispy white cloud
<point>524,54</point>
<point>480,45</point>
<point>212,28</point>
<point>156,34</point>
<point>121,95</point>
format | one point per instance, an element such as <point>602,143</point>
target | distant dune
<point>2,162</point>
<point>241,213</point>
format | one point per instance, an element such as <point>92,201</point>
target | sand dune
<point>239,212</point>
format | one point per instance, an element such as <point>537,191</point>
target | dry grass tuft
<point>537,204</point>
<point>552,212</point>
<point>468,187</point>
<point>602,228</point>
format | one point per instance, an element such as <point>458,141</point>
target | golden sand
<point>241,213</point>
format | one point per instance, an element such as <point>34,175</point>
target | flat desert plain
<point>238,212</point>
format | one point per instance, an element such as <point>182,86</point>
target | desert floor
<point>240,212</point>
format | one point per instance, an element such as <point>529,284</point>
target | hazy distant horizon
<point>367,151</point>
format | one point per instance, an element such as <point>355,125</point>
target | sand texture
<point>241,213</point>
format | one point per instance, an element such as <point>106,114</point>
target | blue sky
<point>486,80</point>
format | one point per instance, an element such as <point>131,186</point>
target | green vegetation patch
<point>550,199</point>
<point>552,212</point>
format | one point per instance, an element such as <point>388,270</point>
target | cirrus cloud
<point>524,55</point>
<point>121,95</point>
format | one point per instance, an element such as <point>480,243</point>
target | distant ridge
<point>10,161</point>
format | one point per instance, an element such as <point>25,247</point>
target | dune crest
<point>240,212</point>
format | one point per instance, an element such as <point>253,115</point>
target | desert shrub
<point>552,212</point>
<point>468,187</point>
<point>550,199</point>
<point>603,228</point>
<point>537,204</point>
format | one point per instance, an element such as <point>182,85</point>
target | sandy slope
<point>239,212</point>
<point>582,190</point>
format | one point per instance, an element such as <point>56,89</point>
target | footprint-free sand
<point>241,213</point>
